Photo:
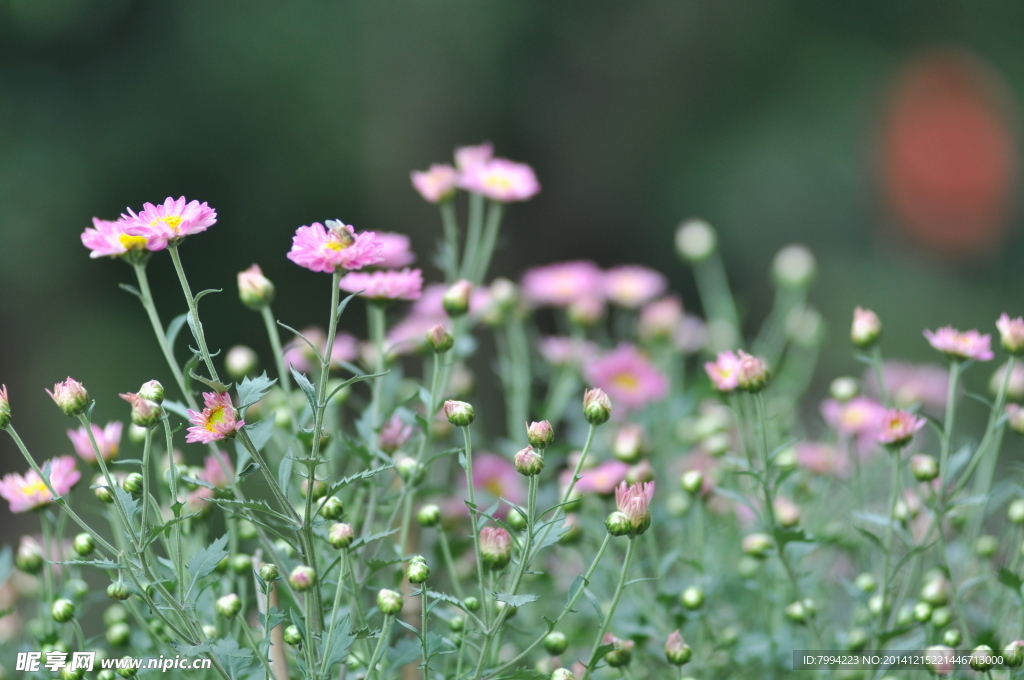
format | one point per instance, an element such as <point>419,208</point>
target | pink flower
<point>394,250</point>
<point>334,247</point>
<point>632,285</point>
<point>627,377</point>
<point>110,238</point>
<point>495,547</point>
<point>601,480</point>
<point>660,319</point>
<point>108,440</point>
<point>562,283</point>
<point>172,220</point>
<point>822,459</point>
<point>300,355</point>
<point>898,427</point>
<point>497,477</point>
<point>27,492</point>
<point>1011,333</point>
<point>216,473</point>
<point>467,157</point>
<point>217,421</point>
<point>634,502</point>
<point>692,334</point>
<point>857,416</point>
<point>500,180</point>
<point>960,344</point>
<point>406,284</point>
<point>561,350</point>
<point>724,371</point>
<point>436,184</point>
<point>910,384</point>
<point>393,434</point>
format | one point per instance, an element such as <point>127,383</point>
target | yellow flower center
<point>626,381</point>
<point>132,242</point>
<point>172,221</point>
<point>499,182</point>
<point>494,487</point>
<point>34,488</point>
<point>216,417</point>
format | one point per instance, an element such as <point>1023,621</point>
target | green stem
<point>377,324</point>
<point>879,367</point>
<point>717,300</point>
<point>606,622</point>
<point>473,513</point>
<point>451,240</point>
<point>572,485</point>
<point>490,240</point>
<point>385,632</point>
<point>84,419</point>
<point>449,563</point>
<point>476,220</point>
<point>334,610</point>
<point>947,430</point>
<point>158,329</point>
<point>179,562</point>
<point>46,527</point>
<point>423,630</point>
<point>193,310</point>
<point>283,375</point>
<point>894,494</point>
<point>256,650</point>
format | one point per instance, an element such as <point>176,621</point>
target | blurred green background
<point>769,119</point>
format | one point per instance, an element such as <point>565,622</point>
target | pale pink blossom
<point>435,184</point>
<point>724,371</point>
<point>107,238</point>
<point>961,344</point>
<point>562,283</point>
<point>634,502</point>
<point>632,285</point>
<point>27,492</point>
<point>394,433</point>
<point>405,284</point>
<point>898,427</point>
<point>334,247</point>
<point>395,250</point>
<point>857,416</point>
<point>172,220</point>
<point>600,480</point>
<point>500,179</point>
<point>822,459</point>
<point>467,157</point>
<point>108,440</point>
<point>562,350</point>
<point>496,477</point>
<point>1011,333</point>
<point>660,319</point>
<point>628,377</point>
<point>217,473</point>
<point>217,421</point>
<point>910,383</point>
<point>691,335</point>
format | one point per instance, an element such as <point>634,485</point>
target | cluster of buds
<point>146,409</point>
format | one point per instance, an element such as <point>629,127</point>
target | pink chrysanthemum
<point>857,416</point>
<point>497,477</point>
<point>634,501</point>
<point>436,184</point>
<point>562,283</point>
<point>217,421</point>
<point>632,285</point>
<point>898,427</point>
<point>333,247</point>
<point>627,377</point>
<point>961,344</point>
<point>910,383</point>
<point>395,250</point>
<point>108,440</point>
<point>660,319</point>
<point>300,355</point>
<point>601,479</point>
<point>172,220</point>
<point>467,157</point>
<point>724,371</point>
<point>394,434</point>
<point>500,179</point>
<point>27,492</point>
<point>822,459</point>
<point>107,238</point>
<point>217,473</point>
<point>562,350</point>
<point>1011,333</point>
<point>406,284</point>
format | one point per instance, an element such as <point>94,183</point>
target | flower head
<point>601,480</point>
<point>898,427</point>
<point>496,476</point>
<point>5,408</point>
<point>660,319</point>
<point>395,250</point>
<point>752,374</point>
<point>724,371</point>
<point>334,247</point>
<point>561,350</point>
<point>563,283</point>
<point>217,470</point>
<point>406,284</point>
<point>254,289</point>
<point>170,221</point>
<point>108,440</point>
<point>70,396</point>
<point>822,459</point>
<point>632,285</point>
<point>1011,334</point>
<point>495,547</point>
<point>27,492</point>
<point>394,433</point>
<point>145,413</point>
<point>597,407</point>
<point>961,344</point>
<point>435,184</point>
<point>107,238</point>
<point>634,502</point>
<point>500,179</point>
<point>628,377</point>
<point>217,421</point>
<point>467,157</point>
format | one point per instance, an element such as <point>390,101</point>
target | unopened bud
<point>103,493</point>
<point>757,545</point>
<point>495,547</point>
<point>1015,511</point>
<point>340,535</point>
<point>292,636</point>
<point>922,612</point>
<point>540,435</point>
<point>269,572</point>
<point>1013,654</point>
<point>1015,418</point>
<point>985,546</point>
<point>751,374</point>
<point>240,361</point>
<point>429,515</point>
<point>692,481</point>
<point>70,396</point>
<point>84,544</point>
<point>471,604</point>
<point>952,637</point>
<point>153,391</point>
<point>529,462</point>
<point>942,617</point>
<point>119,634</point>
<point>936,591</point>
<point>866,582</point>
<point>597,407</point>
<point>695,240</point>
<point>133,483</point>
<point>793,267</point>
<point>844,388</point>
<point>331,507</point>
<point>417,572</point>
<point>562,674</point>
<point>409,470</point>
<point>5,408</point>
<point>628,443</point>
<point>145,413</point>
<point>796,612</point>
<point>677,652</point>
<point>456,298</point>
<point>982,658</point>
<point>389,602</point>
<point>459,413</point>
<point>62,610</point>
<point>302,578</point>
<point>621,653</point>
<point>866,328</point>
<point>618,524</point>
<point>924,467</point>
<point>692,597</point>
<point>118,590</point>
<point>555,643</point>
<point>254,289</point>
<point>439,339</point>
<point>229,605</point>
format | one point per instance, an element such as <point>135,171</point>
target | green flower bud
<point>757,545</point>
<point>118,634</point>
<point>844,389</point>
<point>924,467</point>
<point>254,289</point>
<point>796,612</point>
<point>528,462</point>
<point>69,674</point>
<point>83,544</point>
<point>597,407</point>
<point>456,298</point>
<point>696,240</point>
<point>209,631</point>
<point>133,484</point>
<point>540,435</point>
<point>866,582</point>
<point>429,515</point>
<point>562,674</point>
<point>1015,512</point>
<point>936,591</point>
<point>857,639</point>
<point>512,611</point>
<point>618,524</point>
<point>922,612</point>
<point>471,604</point>
<point>127,670</point>
<point>515,521</point>
<point>941,617</point>
<point>677,652</point>
<point>331,508</point>
<point>118,590</point>
<point>222,566</point>
<point>115,613</point>
<point>555,643</point>
<point>247,530</point>
<point>389,602</point>
<point>229,605</point>
<point>62,610</point>
<point>241,564</point>
<point>417,572</point>
<point>302,578</point>
<point>269,572</point>
<point>409,470</point>
<point>692,481</point>
<point>77,588</point>
<point>985,546</point>
<point>241,361</point>
<point>29,558</point>
<point>952,638</point>
<point>692,598</point>
<point>866,328</point>
<point>982,658</point>
<point>439,339</point>
<point>793,267</point>
<point>292,636</point>
<point>103,493</point>
<point>459,413</point>
<point>152,391</point>
<point>70,397</point>
<point>457,624</point>
<point>1013,654</point>
<point>340,535</point>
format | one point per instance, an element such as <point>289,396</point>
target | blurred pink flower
<point>215,473</point>
<point>406,284</point>
<point>435,184</point>
<point>961,344</point>
<point>632,285</point>
<point>394,433</point>
<point>822,459</point>
<point>691,335</point>
<point>300,355</point>
<point>500,179</point>
<point>898,427</point>
<point>627,377</point>
<point>27,492</point>
<point>601,480</point>
<point>169,221</point>
<point>431,302</point>
<point>561,350</point>
<point>110,238</point>
<point>857,416</point>
<point>660,319</point>
<point>108,440</point>
<point>724,371</point>
<point>497,477</point>
<point>334,247</point>
<point>395,250</point>
<point>467,157</point>
<point>217,421</point>
<point>562,283</point>
<point>1011,333</point>
<point>910,384</point>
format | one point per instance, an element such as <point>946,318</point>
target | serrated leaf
<point>516,600</point>
<point>214,385</point>
<point>284,470</point>
<point>234,659</point>
<point>305,385</point>
<point>130,505</point>
<point>406,651</point>
<point>353,380</point>
<point>260,432</point>
<point>250,391</point>
<point>206,560</point>
<point>365,474</point>
<point>364,540</point>
<point>260,505</point>
<point>341,642</point>
<point>99,564</point>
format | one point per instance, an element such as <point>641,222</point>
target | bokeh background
<point>882,135</point>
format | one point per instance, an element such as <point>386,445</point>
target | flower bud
<point>70,396</point>
<point>628,443</point>
<point>512,611</point>
<point>254,289</point>
<point>5,408</point>
<point>145,413</point>
<point>132,483</point>
<point>585,311</point>
<point>119,634</point>
<point>985,546</point>
<point>72,674</point>
<point>83,544</point>
<point>331,507</point>
<point>62,610</point>
<point>692,481</point>
<point>456,298</point>
<point>153,391</point>
<point>618,524</point>
<point>692,598</point>
<point>240,361</point>
<point>457,624</point>
<point>540,435</point>
<point>562,674</point>
<point>495,547</point>
<point>1011,334</point>
<point>982,658</point>
<point>389,602</point>
<point>866,582</point>
<point>529,462</point>
<point>866,328</point>
<point>936,591</point>
<point>555,643</point>
<point>1013,654</point>
<point>417,572</point>
<point>757,545</point>
<point>77,588</point>
<point>796,612</point>
<point>429,515</point>
<point>459,413</point>
<point>793,267</point>
<point>229,605</point>
<point>597,407</point>
<point>787,513</point>
<point>621,653</point>
<point>695,240</point>
<point>409,470</point>
<point>340,535</point>
<point>115,613</point>
<point>269,572</point>
<point>924,467</point>
<point>127,669</point>
<point>292,636</point>
<point>516,521</point>
<point>118,590</point>
<point>137,433</point>
<point>29,558</point>
<point>844,388</point>
<point>952,638</point>
<point>751,374</point>
<point>922,612</point>
<point>941,617</point>
<point>1015,511</point>
<point>677,652</point>
<point>471,604</point>
<point>1015,418</point>
<point>240,564</point>
<point>302,578</point>
<point>439,339</point>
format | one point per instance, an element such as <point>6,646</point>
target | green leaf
<point>261,506</point>
<point>177,408</point>
<point>6,560</point>
<point>365,474</point>
<point>212,384</point>
<point>284,470</point>
<point>307,387</point>
<point>260,432</point>
<point>784,536</point>
<point>871,537</point>
<point>251,391</point>
<point>99,564</point>
<point>206,560</point>
<point>873,518</point>
<point>131,289</point>
<point>1010,580</point>
<point>406,651</point>
<point>355,379</point>
<point>130,505</point>
<point>516,600</point>
<point>341,642</point>
<point>344,303</point>
<point>363,540</point>
<point>174,328</point>
<point>234,659</point>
